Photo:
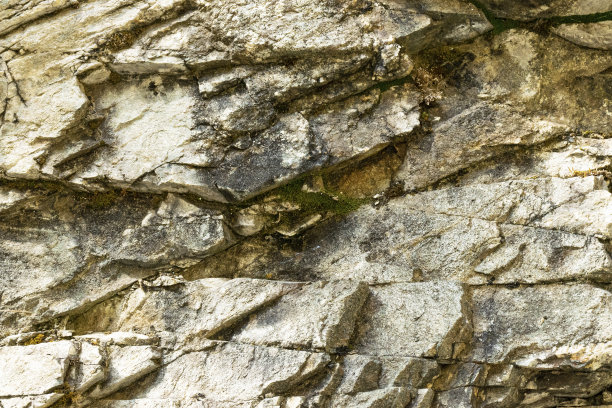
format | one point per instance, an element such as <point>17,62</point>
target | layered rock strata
<point>300,204</point>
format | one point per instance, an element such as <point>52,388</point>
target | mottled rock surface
<point>305,203</point>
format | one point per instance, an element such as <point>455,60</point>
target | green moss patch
<point>314,202</point>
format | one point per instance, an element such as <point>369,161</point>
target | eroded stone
<point>405,319</point>
<point>540,328</point>
<point>319,316</point>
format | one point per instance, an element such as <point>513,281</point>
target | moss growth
<point>100,200</point>
<point>123,39</point>
<point>35,340</point>
<point>385,86</point>
<point>314,202</point>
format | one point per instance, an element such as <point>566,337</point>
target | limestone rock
<point>34,370</point>
<point>103,237</point>
<point>469,137</point>
<point>527,10</point>
<point>39,401</point>
<point>165,131</point>
<point>544,328</point>
<point>361,373</point>
<point>389,397</point>
<point>591,215</point>
<point>192,310</point>
<point>423,399</point>
<point>15,13</point>
<point>396,243</point>
<point>293,145</point>
<point>572,384</point>
<point>461,397</point>
<point>540,255</point>
<point>234,373</point>
<point>501,397</point>
<point>487,107</point>
<point>385,245</point>
<point>526,202</point>
<point>89,370</point>
<point>562,159</point>
<point>468,374</point>
<point>127,365</point>
<point>408,372</point>
<point>177,229</point>
<point>69,369</point>
<point>317,316</point>
<point>12,198</point>
<point>305,203</point>
<point>402,319</point>
<point>593,35</point>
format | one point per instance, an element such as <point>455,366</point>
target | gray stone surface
<point>192,310</point>
<point>234,373</point>
<point>527,10</point>
<point>48,360</point>
<point>502,97</point>
<point>305,204</point>
<point>317,316</point>
<point>531,325</point>
<point>470,234</point>
<point>386,397</point>
<point>41,253</point>
<point>414,320</point>
<point>593,35</point>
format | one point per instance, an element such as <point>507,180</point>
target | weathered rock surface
<point>433,236</point>
<point>544,337</point>
<point>214,373</point>
<point>318,316</point>
<point>592,35</point>
<point>49,360</point>
<point>504,95</point>
<point>305,204</point>
<point>192,310</point>
<point>527,10</point>
<point>65,370</point>
<point>406,319</point>
<point>202,117</point>
<point>80,250</point>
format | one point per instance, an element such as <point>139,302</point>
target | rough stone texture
<point>234,373</point>
<point>191,311</point>
<point>544,327</point>
<point>73,367</point>
<point>49,361</point>
<point>593,35</point>
<point>305,203</point>
<point>414,320</point>
<point>319,316</point>
<point>526,9</point>
<point>506,95</point>
<point>68,253</point>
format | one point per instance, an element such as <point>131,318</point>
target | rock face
<point>305,204</point>
<point>531,9</point>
